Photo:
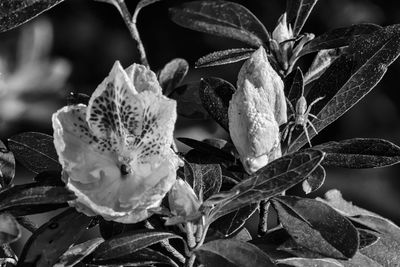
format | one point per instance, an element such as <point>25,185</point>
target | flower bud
<point>183,200</point>
<point>259,73</point>
<point>283,31</point>
<point>253,127</point>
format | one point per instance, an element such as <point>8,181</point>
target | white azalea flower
<point>116,152</point>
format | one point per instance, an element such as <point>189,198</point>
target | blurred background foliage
<point>72,47</point>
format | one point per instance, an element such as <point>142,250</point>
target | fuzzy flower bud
<point>283,31</point>
<point>183,200</point>
<point>256,110</point>
<point>260,74</point>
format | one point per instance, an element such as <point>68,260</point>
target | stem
<point>131,24</point>
<point>190,235</point>
<point>27,224</point>
<point>263,221</point>
<point>167,246</point>
<point>191,260</point>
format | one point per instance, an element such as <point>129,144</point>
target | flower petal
<point>143,79</point>
<point>80,153</point>
<point>109,107</point>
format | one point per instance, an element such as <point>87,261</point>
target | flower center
<point>125,169</point>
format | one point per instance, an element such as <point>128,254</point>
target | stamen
<point>125,170</point>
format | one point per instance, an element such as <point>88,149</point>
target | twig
<point>191,260</point>
<point>131,24</point>
<point>263,221</point>
<point>190,235</point>
<point>27,224</point>
<point>167,246</point>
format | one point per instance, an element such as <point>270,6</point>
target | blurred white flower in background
<point>29,86</point>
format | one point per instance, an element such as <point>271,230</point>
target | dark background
<point>91,36</point>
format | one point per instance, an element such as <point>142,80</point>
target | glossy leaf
<point>215,94</point>
<point>338,37</point>
<point>10,230</point>
<point>14,13</point>
<point>53,238</point>
<point>172,74</point>
<point>317,227</point>
<point>26,199</point>
<point>232,253</point>
<point>351,77</point>
<point>315,180</point>
<point>322,61</point>
<point>7,166</point>
<point>232,222</point>
<point>142,257</point>
<point>205,179</point>
<point>298,12</point>
<point>35,151</point>
<point>224,57</point>
<point>304,262</point>
<point>367,238</point>
<point>294,86</point>
<point>360,153</point>
<point>52,178</point>
<point>384,252</point>
<point>127,243</point>
<point>221,18</point>
<point>188,102</point>
<point>271,180</point>
<point>76,253</point>
<point>242,235</point>
<point>206,148</point>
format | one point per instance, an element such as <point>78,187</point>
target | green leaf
<point>351,77</point>
<point>215,94</point>
<point>317,227</point>
<point>188,102</point>
<point>52,178</point>
<point>10,230</point>
<point>228,252</point>
<point>221,18</point>
<point>172,74</point>
<point>52,239</point>
<point>7,166</point>
<point>367,238</point>
<point>315,180</point>
<point>230,223</point>
<point>338,38</point>
<point>304,262</point>
<point>127,243</point>
<point>21,200</point>
<point>294,86</point>
<point>298,12</point>
<point>360,153</point>
<point>14,13</point>
<point>205,179</point>
<point>206,148</point>
<point>322,61</point>
<point>384,252</point>
<point>35,151</point>
<point>142,257</point>
<point>270,181</point>
<point>76,253</point>
<point>224,57</point>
